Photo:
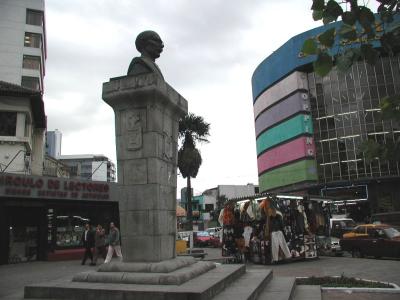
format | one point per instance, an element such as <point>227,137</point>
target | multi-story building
<point>90,167</point>
<point>22,63</point>
<point>54,168</point>
<point>53,143</point>
<point>23,42</point>
<point>208,200</point>
<point>42,216</point>
<point>309,129</point>
<point>22,127</point>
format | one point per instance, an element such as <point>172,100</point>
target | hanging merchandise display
<point>268,228</point>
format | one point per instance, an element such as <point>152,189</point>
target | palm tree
<point>192,129</point>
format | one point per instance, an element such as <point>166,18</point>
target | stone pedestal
<point>147,112</point>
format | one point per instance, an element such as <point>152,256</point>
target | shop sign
<point>12,185</point>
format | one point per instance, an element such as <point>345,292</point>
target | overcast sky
<point>211,50</point>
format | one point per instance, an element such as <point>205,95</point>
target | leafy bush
<point>342,281</point>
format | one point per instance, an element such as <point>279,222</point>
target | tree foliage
<point>390,150</point>
<point>354,38</point>
<point>192,129</point>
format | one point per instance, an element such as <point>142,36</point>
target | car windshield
<point>348,223</point>
<point>203,233</point>
<point>391,232</point>
<point>343,223</point>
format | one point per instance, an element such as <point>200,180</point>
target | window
<point>31,62</point>
<point>209,207</point>
<point>34,17</point>
<point>8,123</point>
<point>30,82</point>
<point>360,230</point>
<point>33,40</point>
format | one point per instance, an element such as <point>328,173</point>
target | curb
<point>361,290</point>
<point>348,290</point>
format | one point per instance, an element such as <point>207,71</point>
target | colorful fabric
<point>278,241</point>
<point>228,216</point>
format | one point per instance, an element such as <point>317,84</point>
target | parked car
<point>328,246</point>
<point>184,235</point>
<point>339,226</point>
<point>214,231</point>
<point>378,240</point>
<point>391,218</point>
<point>204,239</point>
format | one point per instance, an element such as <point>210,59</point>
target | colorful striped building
<point>308,129</point>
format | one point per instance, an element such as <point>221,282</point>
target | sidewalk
<point>13,278</point>
<point>373,269</point>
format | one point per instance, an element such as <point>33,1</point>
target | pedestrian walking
<point>114,243</point>
<point>99,244</point>
<point>88,243</point>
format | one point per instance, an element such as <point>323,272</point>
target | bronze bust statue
<point>150,46</point>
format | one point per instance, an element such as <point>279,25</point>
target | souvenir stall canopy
<point>267,228</point>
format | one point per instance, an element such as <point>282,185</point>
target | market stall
<point>269,228</point>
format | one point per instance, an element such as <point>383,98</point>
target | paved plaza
<point>13,278</point>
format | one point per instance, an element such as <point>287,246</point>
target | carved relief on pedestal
<point>168,147</point>
<point>168,152</point>
<point>134,136</point>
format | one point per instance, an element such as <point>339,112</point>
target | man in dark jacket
<point>88,243</point>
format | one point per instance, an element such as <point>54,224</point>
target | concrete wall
<point>294,82</point>
<point>296,126</point>
<point>294,150</point>
<point>298,172</point>
<point>37,151</point>
<point>294,104</point>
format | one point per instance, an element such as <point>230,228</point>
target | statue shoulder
<point>138,66</point>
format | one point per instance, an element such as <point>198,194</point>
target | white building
<point>22,127</point>
<point>22,62</point>
<point>90,167</point>
<point>23,42</point>
<point>211,196</point>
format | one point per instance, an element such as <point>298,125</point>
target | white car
<point>214,231</point>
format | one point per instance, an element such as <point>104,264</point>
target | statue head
<point>149,44</point>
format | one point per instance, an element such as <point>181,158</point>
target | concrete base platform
<point>202,287</point>
<point>176,277</point>
<point>248,287</point>
<point>164,266</point>
<point>279,288</point>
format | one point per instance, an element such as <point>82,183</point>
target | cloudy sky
<point>211,50</point>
